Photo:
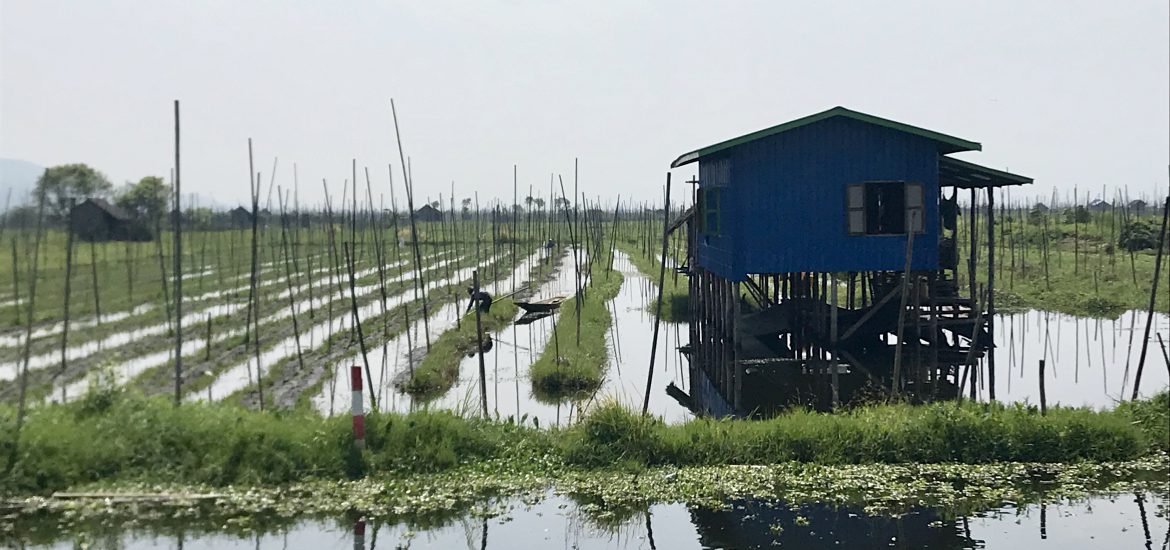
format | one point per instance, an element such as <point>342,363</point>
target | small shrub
<point>1138,235</point>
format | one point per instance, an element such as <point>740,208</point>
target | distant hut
<point>428,213</point>
<point>1040,207</point>
<point>1098,205</point>
<point>1138,206</point>
<point>240,217</point>
<point>97,220</point>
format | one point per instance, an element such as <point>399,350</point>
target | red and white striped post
<point>359,535</point>
<point>359,416</point>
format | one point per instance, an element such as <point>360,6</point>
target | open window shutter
<point>855,208</point>
<point>914,207</point>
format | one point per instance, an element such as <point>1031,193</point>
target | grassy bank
<point>1102,285</point>
<point>114,436</point>
<point>568,366</point>
<point>440,368</point>
<point>1046,260</point>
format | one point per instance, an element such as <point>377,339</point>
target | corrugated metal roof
<point>110,209</point>
<point>947,144</point>
<point>968,175</point>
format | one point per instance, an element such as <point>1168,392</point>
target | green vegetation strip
<point>440,368</point>
<point>1075,261</point>
<point>571,367</point>
<point>116,436</point>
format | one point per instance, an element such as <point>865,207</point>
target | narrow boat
<point>541,306</point>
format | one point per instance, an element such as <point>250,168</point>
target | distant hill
<point>21,177</point>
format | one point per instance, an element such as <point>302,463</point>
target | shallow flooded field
<point>1132,520</point>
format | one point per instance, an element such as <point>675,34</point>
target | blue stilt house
<point>814,245</point>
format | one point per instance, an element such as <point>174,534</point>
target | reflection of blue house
<point>783,212</point>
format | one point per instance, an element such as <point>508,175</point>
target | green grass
<point>580,367</point>
<point>439,370</point>
<point>944,432</point>
<point>1087,272</point>
<point>115,436</point>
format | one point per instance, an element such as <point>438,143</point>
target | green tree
<point>148,199</point>
<point>70,181</point>
<point>1079,214</point>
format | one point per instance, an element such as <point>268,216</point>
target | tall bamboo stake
<point>253,291</point>
<point>413,228</point>
<point>97,297</point>
<point>658,307</point>
<point>289,274</point>
<point>991,292</point>
<point>13,452</point>
<point>68,281</point>
<point>479,346</point>
<point>419,280</point>
<point>1137,379</point>
<point>178,221</point>
<point>357,323</point>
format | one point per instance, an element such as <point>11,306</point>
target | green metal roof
<point>947,144</point>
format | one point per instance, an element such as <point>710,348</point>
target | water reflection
<point>1117,521</point>
<point>1089,362</point>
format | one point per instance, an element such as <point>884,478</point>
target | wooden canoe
<point>541,306</point>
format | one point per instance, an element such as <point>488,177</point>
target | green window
<point>711,219</point>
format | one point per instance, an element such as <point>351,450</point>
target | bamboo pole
<point>421,283</point>
<point>97,297</point>
<point>658,307</point>
<point>896,384</point>
<point>253,291</point>
<point>1137,379</point>
<point>833,375</point>
<point>207,346</point>
<point>288,279</point>
<point>479,344</point>
<point>15,279</point>
<point>991,293</point>
<point>357,323</point>
<point>178,222</point>
<point>14,450</point>
<point>68,282</point>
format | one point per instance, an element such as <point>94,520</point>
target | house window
<point>884,208</point>
<point>709,205</point>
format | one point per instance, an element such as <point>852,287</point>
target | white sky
<point>1070,93</point>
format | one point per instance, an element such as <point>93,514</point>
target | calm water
<point>1116,522</point>
<point>1090,362</point>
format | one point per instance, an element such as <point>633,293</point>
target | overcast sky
<point>1070,93</point>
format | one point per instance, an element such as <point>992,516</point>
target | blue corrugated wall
<point>783,209</point>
